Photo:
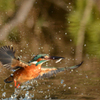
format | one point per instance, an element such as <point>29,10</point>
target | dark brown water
<point>82,83</point>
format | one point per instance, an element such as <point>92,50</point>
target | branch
<point>19,18</point>
<point>81,32</point>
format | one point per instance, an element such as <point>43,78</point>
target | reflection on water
<point>78,84</point>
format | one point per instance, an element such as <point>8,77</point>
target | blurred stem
<point>60,3</point>
<point>81,32</point>
<point>19,18</point>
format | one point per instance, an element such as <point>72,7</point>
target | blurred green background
<point>69,28</point>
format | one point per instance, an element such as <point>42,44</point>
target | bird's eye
<point>42,56</point>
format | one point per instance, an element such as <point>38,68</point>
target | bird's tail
<point>52,71</point>
<point>70,68</point>
<point>9,79</point>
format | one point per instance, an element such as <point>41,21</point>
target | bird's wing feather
<point>53,71</point>
<point>7,58</point>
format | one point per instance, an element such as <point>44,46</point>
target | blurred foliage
<point>7,9</point>
<point>92,32</point>
<point>6,5</point>
<point>75,18</point>
<point>14,36</point>
<point>46,24</point>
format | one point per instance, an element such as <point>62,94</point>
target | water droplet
<point>64,85</point>
<point>59,38</point>
<point>1,89</point>
<point>69,9</point>
<point>70,39</point>
<point>71,70</point>
<point>77,71</point>
<point>86,76</point>
<point>68,21</point>
<point>81,93</point>
<point>46,96</point>
<point>62,81</point>
<point>11,45</point>
<point>54,87</point>
<point>67,6</point>
<point>68,59</point>
<point>11,85</point>
<point>49,86</point>
<point>41,47</point>
<point>21,50</point>
<point>69,87</point>
<point>65,33</point>
<point>48,89</point>
<point>40,91</point>
<point>80,73</point>
<point>85,45</point>
<point>32,96</point>
<point>61,51</point>
<point>64,89</point>
<point>75,87</point>
<point>27,93</point>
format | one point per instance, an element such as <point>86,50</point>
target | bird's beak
<point>55,58</point>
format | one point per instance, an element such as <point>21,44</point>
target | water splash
<point>27,95</point>
<point>4,94</point>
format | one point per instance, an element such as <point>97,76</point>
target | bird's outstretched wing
<point>7,58</point>
<point>48,72</point>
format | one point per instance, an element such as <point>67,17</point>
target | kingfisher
<point>23,71</point>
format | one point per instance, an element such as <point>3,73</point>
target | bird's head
<point>41,58</point>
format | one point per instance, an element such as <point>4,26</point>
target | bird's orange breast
<point>27,73</point>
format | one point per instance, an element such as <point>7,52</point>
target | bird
<point>23,71</point>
